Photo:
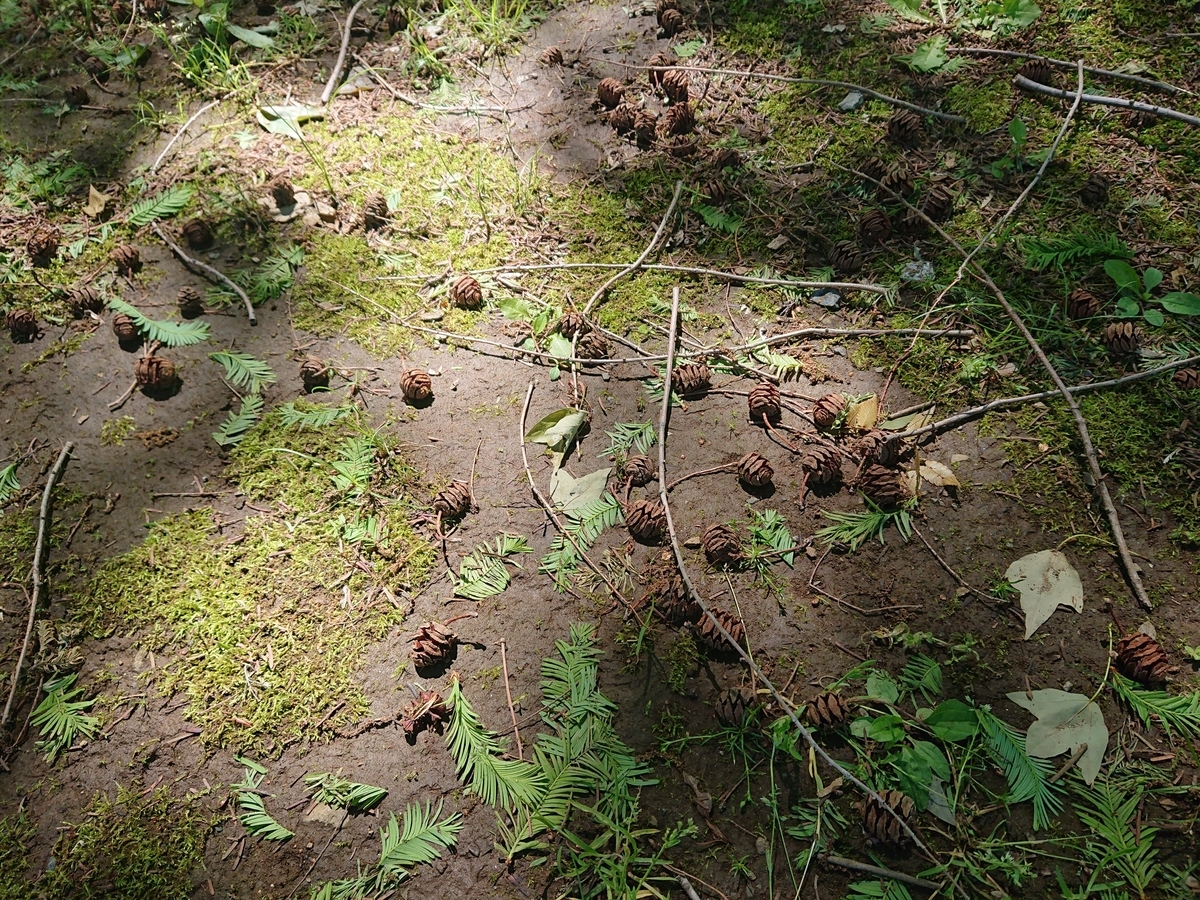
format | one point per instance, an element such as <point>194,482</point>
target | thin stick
<point>1161,111</point>
<point>39,554</point>
<point>687,888</point>
<point>508,693</point>
<point>206,269</point>
<point>186,125</point>
<point>664,417</point>
<point>821,82</point>
<point>336,832</point>
<point>120,401</point>
<point>1064,64</point>
<point>881,872</point>
<point>341,60</point>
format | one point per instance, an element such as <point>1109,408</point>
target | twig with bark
<point>336,74</point>
<point>1065,64</point>
<point>205,269</point>
<point>1163,112</point>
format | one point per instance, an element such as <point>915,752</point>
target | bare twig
<point>206,269</point>
<point>881,872</point>
<point>1064,64</point>
<point>1161,111</point>
<point>120,401</point>
<point>508,694</point>
<point>336,832</point>
<point>186,125</point>
<point>341,60</point>
<point>39,555</point>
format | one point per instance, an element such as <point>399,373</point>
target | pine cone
<point>722,547</point>
<point>713,639</point>
<point>825,411</point>
<point>659,64</point>
<point>665,588</point>
<point>645,127</point>
<point>190,302</point>
<point>128,259</point>
<point>639,470</point>
<point>120,13</point>
<point>154,374</point>
<point>726,158</point>
<point>572,323</point>
<point>1082,304</point>
<point>880,825</point>
<point>592,345</point>
<point>905,128</point>
<point>670,23</point>
<point>1187,379</point>
<point>466,293</point>
<point>22,326</point>
<point>679,119</point>
<point>681,146</point>
<point>827,710</point>
<point>883,487</point>
<point>663,5</point>
<point>874,447</point>
<point>198,235</point>
<point>898,179</point>
<point>755,470</point>
<point>84,299</point>
<point>96,68</point>
<point>1122,338</point>
<point>846,257</point>
<point>551,56</point>
<point>154,9</point>
<point>314,374</point>
<point>764,402</point>
<point>733,707</point>
<point>77,95</point>
<point>282,193</point>
<point>1038,70</point>
<point>714,192</point>
<point>623,118</point>
<point>1094,192</point>
<point>646,521</point>
<point>675,85</point>
<point>265,7</point>
<point>1139,119</point>
<point>691,379</point>
<point>821,464</point>
<point>433,644</point>
<point>938,203</point>
<point>912,224</point>
<point>428,712</point>
<point>1142,658</point>
<point>874,227</point>
<point>454,501</point>
<point>375,212</point>
<point>610,92</point>
<point>416,386</point>
<point>124,329</point>
<point>42,247</point>
<point>395,20</point>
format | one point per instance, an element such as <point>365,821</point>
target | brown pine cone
<point>874,447</point>
<point>821,464</point>
<point>1038,70</point>
<point>905,128</point>
<point>1122,338</point>
<point>1082,304</point>
<point>198,235</point>
<point>154,9</point>
<point>282,192</point>
<point>432,644</point>
<point>680,119</point>
<point>938,203</point>
<point>375,212</point>
<point>874,227</point>
<point>726,158</point>
<point>120,13</point>
<point>714,192</point>
<point>691,379</point>
<point>623,118</point>
<point>755,470</point>
<point>825,411</point>
<point>646,521</point>
<point>666,590</point>
<point>1139,119</point>
<point>551,56</point>
<point>645,127</point>
<point>572,323</point>
<point>1142,658</point>
<point>764,402</point>
<point>466,293</point>
<point>883,487</point>
<point>1094,193</point>
<point>42,247</point>
<point>713,639</point>
<point>675,85</point>
<point>659,64</point>
<point>670,23</point>
<point>681,146</point>
<point>77,95</point>
<point>639,470</point>
<point>880,825</point>
<point>592,345</point>
<point>610,92</point>
<point>190,302</point>
<point>1187,379</point>
<point>913,224</point>
<point>124,329</point>
<point>128,259</point>
<point>846,257</point>
<point>663,5</point>
<point>22,326</point>
<point>314,374</point>
<point>897,179</point>
<point>827,710</point>
<point>84,299</point>
<point>454,501</point>
<point>427,712</point>
<point>722,547</point>
<point>96,68</point>
<point>154,374</point>
<point>873,170</point>
<point>416,385</point>
<point>733,707</point>
<point>395,20</point>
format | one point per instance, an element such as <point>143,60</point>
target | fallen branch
<point>341,60</point>
<point>1164,112</point>
<point>39,555</point>
<point>881,872</point>
<point>186,125</point>
<point>1064,64</point>
<point>205,269</point>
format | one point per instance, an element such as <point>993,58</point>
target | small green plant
<point>244,370</point>
<point>1117,844</point>
<point>234,428</point>
<point>626,436</point>
<point>9,485</point>
<point>169,334</point>
<point>1078,248</point>
<point>856,528</point>
<point>1015,160</point>
<point>1175,713</point>
<point>483,573</point>
<point>770,541</point>
<point>584,525</point>
<point>114,431</point>
<point>253,813</point>
<point>335,791</point>
<point>61,718</point>
<point>1135,292</point>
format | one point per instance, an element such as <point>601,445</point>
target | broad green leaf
<point>911,10</point>
<point>1018,132</point>
<point>915,775</point>
<point>559,347</point>
<point>248,36</point>
<point>941,804</point>
<point>928,56</point>
<point>886,729</point>
<point>1127,307</point>
<point>881,687</point>
<point>953,721</point>
<point>688,49</point>
<point>286,120</point>
<point>1181,303</point>
<point>1154,317</point>
<point>515,308</point>
<point>1152,278</point>
<point>557,430</point>
<point>934,757</point>
<point>1124,275</point>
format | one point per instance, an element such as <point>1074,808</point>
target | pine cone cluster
<point>551,56</point>
<point>22,326</point>
<point>190,302</point>
<point>571,324</point>
<point>1038,70</point>
<point>733,707</point>
<point>125,330</point>
<point>610,92</point>
<point>874,447</point>
<point>938,203</point>
<point>282,192</point>
<point>821,464</point>
<point>396,20</point>
<point>755,470</point>
<point>1187,379</point>
<point>198,234</point>
<point>1142,658</point>
<point>1094,193</point>
<point>905,128</point>
<point>1082,304</point>
<point>467,293</point>
<point>883,487</point>
<point>84,299</point>
<point>622,118</point>
<point>76,95</point>
<point>690,379</point>
<point>897,178</point>
<point>675,85</point>
<point>42,247</point>
<point>433,644</point>
<point>454,501</point>
<point>154,374</point>
<point>592,345</point>
<point>722,547</point>
<point>128,259</point>
<point>827,710</point>
<point>1122,338</point>
<point>825,411</point>
<point>680,119</point>
<point>670,22</point>
<point>639,470</point>
<point>314,374</point>
<point>846,257</point>
<point>427,712</point>
<point>880,825</point>
<point>659,64</point>
<point>764,402</point>
<point>416,386</point>
<point>874,227</point>
<point>646,521</point>
<point>713,639</point>
<point>375,212</point>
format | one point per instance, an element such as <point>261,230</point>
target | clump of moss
<point>683,659</point>
<point>16,835</point>
<point>985,106</point>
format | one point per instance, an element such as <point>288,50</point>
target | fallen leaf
<point>939,803</point>
<point>1065,722</point>
<point>569,492</point>
<point>96,203</point>
<point>938,474</point>
<point>557,431</point>
<point>863,414</point>
<point>1046,581</point>
<point>908,423</point>
<point>286,120</point>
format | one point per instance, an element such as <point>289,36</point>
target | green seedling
<point>1135,291</point>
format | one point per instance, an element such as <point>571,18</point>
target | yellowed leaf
<point>864,414</point>
<point>96,203</point>
<point>938,474</point>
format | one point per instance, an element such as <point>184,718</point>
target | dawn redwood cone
<point>821,464</point>
<point>190,302</point>
<point>96,68</point>
<point>454,501</point>
<point>874,227</point>
<point>610,92</point>
<point>1038,70</point>
<point>659,64</point>
<point>675,85</point>
<point>897,179</point>
<point>84,299</point>
<point>690,379</point>
<point>646,521</point>
<point>1094,192</point>
<point>314,374</point>
<point>42,247</point>
<point>124,328</point>
<point>128,259</point>
<point>680,119</point>
<point>874,447</point>
<point>883,487</point>
<point>714,192</point>
<point>571,324</point>
<point>154,373</point>
<point>551,56</point>
<point>433,644</point>
<point>1138,119</point>
<point>467,293</point>
<point>905,128</point>
<point>645,127</point>
<point>846,257</point>
<point>726,158</point>
<point>121,13</point>
<point>912,223</point>
<point>1122,338</point>
<point>666,590</point>
<point>198,235</point>
<point>282,192</point>
<point>592,345</point>
<point>670,23</point>
<point>880,825</point>
<point>416,385</point>
<point>681,146</point>
<point>154,9</point>
<point>663,5</point>
<point>77,95</point>
<point>827,710</point>
<point>1188,379</point>
<point>1082,304</point>
<point>623,118</point>
<point>374,212</point>
<point>938,203</point>
<point>733,707</point>
<point>640,470</point>
<point>1142,658</point>
<point>764,402</point>
<point>825,411</point>
<point>712,637</point>
<point>427,712</point>
<point>721,546</point>
<point>22,326</point>
<point>396,19</point>
<point>755,470</point>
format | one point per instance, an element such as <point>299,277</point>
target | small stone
<point>829,299</point>
<point>852,101</point>
<point>326,212</point>
<point>917,270</point>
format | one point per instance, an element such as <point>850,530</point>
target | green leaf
<point>626,436</point>
<point>559,347</point>
<point>1018,132</point>
<point>953,721</point>
<point>8,482</point>
<point>1181,303</point>
<point>60,717</point>
<point>911,10</point>
<point>934,757</point>
<point>483,574</point>
<point>1152,278</point>
<point>557,431</point>
<point>929,56</point>
<point>1154,317</point>
<point>287,120</point>
<point>244,370</point>
<point>257,821</point>
<point>886,729</point>
<point>247,36</point>
<point>1127,307</point>
<point>915,776</point>
<point>516,309</point>
<point>422,839</point>
<point>718,219</point>
<point>1124,275</point>
<point>169,334</point>
<point>1176,713</point>
<point>1028,778</point>
<point>570,493</point>
<point>234,428</point>
<point>168,203</point>
<point>688,49</point>
<point>302,414</point>
<point>880,686</point>
<point>337,792</point>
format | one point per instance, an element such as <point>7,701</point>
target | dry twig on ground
<point>205,269</point>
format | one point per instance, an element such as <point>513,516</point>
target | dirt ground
<point>830,610</point>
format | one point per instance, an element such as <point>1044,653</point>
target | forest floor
<point>224,692</point>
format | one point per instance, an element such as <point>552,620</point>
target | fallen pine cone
<point>938,203</point>
<point>659,64</point>
<point>880,826</point>
<point>733,707</point>
<point>1122,338</point>
<point>645,127</point>
<point>42,247</point>
<point>1094,192</point>
<point>128,259</point>
<point>428,712</point>
<point>874,447</point>
<point>433,644</point>
<point>714,192</point>
<point>755,470</point>
<point>551,56</point>
<point>690,379</point>
<point>639,470</point>
<point>76,95</point>
<point>1187,379</point>
<point>571,324</point>
<point>22,326</point>
<point>827,710</point>
<point>375,212</point>
<point>96,68</point>
<point>764,402</point>
<point>884,487</point>
<point>1142,658</point>
<point>821,464</point>
<point>646,521</point>
<point>125,330</point>
<point>466,293</point>
<point>454,501</point>
<point>1082,304</point>
<point>846,257</point>
<point>282,193</point>
<point>680,119</point>
<point>905,128</point>
<point>314,374</point>
<point>416,386</point>
<point>610,92</point>
<point>592,345</point>
<point>666,590</point>
<point>726,158</point>
<point>1038,70</point>
<point>670,23</point>
<point>722,547</point>
<point>84,299</point>
<point>874,227</point>
<point>897,178</point>
<point>713,639</point>
<point>396,20</point>
<point>190,302</point>
<point>825,411</point>
<point>913,224</point>
<point>675,85</point>
<point>154,374</point>
<point>198,235</point>
<point>623,118</point>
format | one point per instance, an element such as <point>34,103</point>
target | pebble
<point>917,270</point>
<point>852,101</point>
<point>829,299</point>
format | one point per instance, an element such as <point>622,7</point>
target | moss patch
<point>16,835</point>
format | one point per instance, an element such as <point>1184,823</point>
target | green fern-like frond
<point>856,528</point>
<point>422,839</point>
<point>585,525</point>
<point>161,206</point>
<point>355,466</point>
<point>769,534</point>
<point>335,791</point>
<point>921,674</point>
<point>1080,248</point>
<point>784,367</point>
<point>8,482</point>
<point>234,428</point>
<point>344,889</point>
<point>245,371</point>
<point>169,334</point>
<point>1176,713</point>
<point>626,436</point>
<point>717,218</point>
<point>268,281</point>
<point>257,821</point>
<point>1028,778</point>
<point>61,718</point>
<point>1108,815</point>
<point>498,782</point>
<point>483,573</point>
<point>301,414</point>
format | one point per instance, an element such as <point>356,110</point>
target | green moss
<point>16,836</point>
<point>985,106</point>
